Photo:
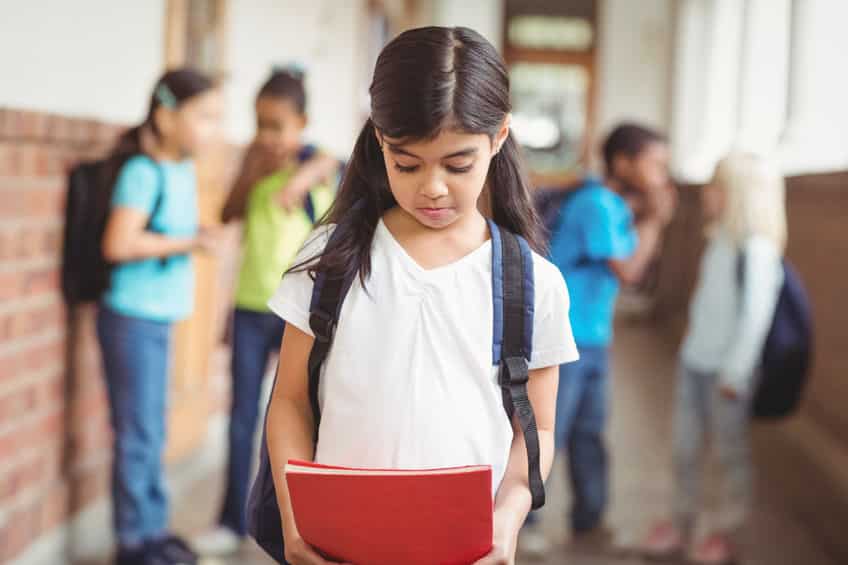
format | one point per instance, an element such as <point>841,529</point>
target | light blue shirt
<point>727,331</point>
<point>156,289</point>
<point>595,225</point>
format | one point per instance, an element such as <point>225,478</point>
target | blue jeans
<point>135,355</point>
<point>580,421</point>
<point>256,336</point>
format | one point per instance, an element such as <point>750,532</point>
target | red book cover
<point>393,517</point>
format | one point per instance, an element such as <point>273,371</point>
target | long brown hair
<point>173,89</point>
<point>426,80</point>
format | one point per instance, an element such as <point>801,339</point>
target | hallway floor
<point>643,369</point>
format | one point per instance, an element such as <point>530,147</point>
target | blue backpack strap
<point>263,513</point>
<point>529,304</point>
<point>513,296</point>
<point>328,294</point>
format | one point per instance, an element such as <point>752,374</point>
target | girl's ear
<point>164,119</point>
<point>503,133</point>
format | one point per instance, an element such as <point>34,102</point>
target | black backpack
<point>513,303</point>
<point>85,272</point>
<point>787,352</point>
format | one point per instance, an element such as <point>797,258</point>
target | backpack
<point>513,305</point>
<point>85,272</point>
<point>787,352</point>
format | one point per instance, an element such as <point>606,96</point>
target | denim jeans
<point>581,418</point>
<point>135,354</point>
<point>256,336</point>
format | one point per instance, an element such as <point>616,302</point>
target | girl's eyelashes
<point>413,168</point>
<point>403,169</point>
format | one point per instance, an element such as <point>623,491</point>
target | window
<point>550,51</point>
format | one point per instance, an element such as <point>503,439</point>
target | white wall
<point>634,62</point>
<point>92,58</point>
<point>324,35</point>
<point>483,16</point>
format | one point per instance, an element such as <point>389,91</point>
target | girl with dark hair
<point>409,381</point>
<point>283,186</point>
<point>151,231</point>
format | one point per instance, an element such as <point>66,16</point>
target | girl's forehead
<point>275,105</point>
<point>445,143</point>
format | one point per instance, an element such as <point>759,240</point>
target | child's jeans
<point>136,362</point>
<point>256,337</point>
<point>701,410</point>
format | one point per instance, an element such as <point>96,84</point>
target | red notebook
<point>392,517</point>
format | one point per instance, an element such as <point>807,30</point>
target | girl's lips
<point>435,213</point>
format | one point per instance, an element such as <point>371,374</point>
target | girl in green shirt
<point>282,188</point>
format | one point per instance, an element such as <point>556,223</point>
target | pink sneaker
<point>664,541</point>
<point>715,549</point>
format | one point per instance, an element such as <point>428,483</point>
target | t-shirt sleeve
<point>553,342</point>
<point>292,298</point>
<point>607,227</point>
<point>137,185</point>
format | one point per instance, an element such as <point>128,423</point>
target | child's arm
<point>321,168</point>
<point>290,434</point>
<point>630,270</point>
<point>513,500</point>
<point>254,166</point>
<point>126,238</point>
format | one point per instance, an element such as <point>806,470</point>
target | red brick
<point>18,403</point>
<point>55,506</point>
<point>4,118</point>
<point>58,129</point>
<point>43,203</point>
<point>27,473</point>
<point>33,359</point>
<point>10,159</point>
<point>30,433</point>
<point>89,486</point>
<point>20,528</point>
<point>42,281</point>
<point>12,285</point>
<point>30,126</point>
<point>15,285</point>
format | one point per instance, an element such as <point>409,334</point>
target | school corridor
<point>795,511</point>
<point>761,75</point>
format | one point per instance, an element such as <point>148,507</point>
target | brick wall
<point>54,429</point>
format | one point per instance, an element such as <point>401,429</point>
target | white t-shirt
<point>727,332</point>
<point>409,381</point>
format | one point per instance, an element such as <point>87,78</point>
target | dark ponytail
<point>509,194</point>
<point>427,80</point>
<point>172,90</point>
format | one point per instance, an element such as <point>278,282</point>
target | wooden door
<point>195,31</point>
<point>550,52</point>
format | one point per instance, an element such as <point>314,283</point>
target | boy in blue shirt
<point>598,244</point>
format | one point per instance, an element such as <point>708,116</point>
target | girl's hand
<point>258,163</point>
<point>292,194</point>
<point>505,541</point>
<point>209,240</point>
<point>298,552</point>
<point>728,392</point>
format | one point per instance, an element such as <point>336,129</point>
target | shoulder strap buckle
<point>514,371</point>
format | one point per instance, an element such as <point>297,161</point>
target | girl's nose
<point>434,188</point>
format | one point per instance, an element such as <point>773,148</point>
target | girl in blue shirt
<point>151,231</point>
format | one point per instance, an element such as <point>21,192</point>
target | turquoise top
<point>157,289</point>
<point>595,225</point>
